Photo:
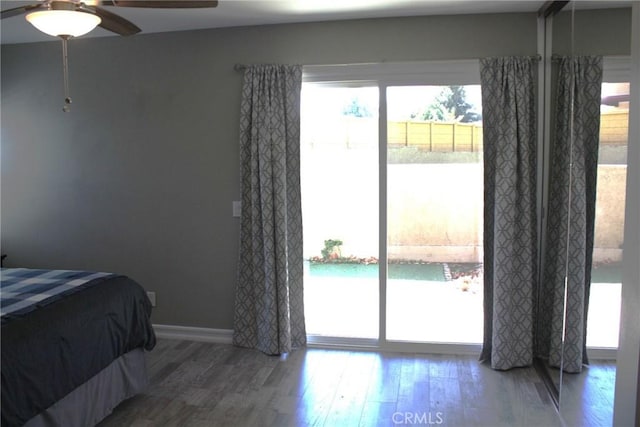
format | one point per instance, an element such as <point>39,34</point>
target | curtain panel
<point>571,213</point>
<point>510,233</point>
<point>269,308</point>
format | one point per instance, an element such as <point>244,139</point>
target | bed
<point>72,345</point>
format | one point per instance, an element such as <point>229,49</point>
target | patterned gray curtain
<point>510,235</point>
<point>269,310</point>
<point>574,162</point>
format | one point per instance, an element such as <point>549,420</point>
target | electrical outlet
<point>152,298</point>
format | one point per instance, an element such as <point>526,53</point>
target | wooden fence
<point>354,132</point>
<point>435,136</point>
<point>448,137</point>
<point>614,128</point>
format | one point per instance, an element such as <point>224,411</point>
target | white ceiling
<point>233,13</point>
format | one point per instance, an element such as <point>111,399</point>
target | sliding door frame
<point>384,75</point>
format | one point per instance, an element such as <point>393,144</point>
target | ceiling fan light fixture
<point>59,23</point>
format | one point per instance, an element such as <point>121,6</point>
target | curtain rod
<point>242,67</point>
<point>556,57</point>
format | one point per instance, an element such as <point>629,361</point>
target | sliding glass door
<point>603,320</point>
<point>434,214</point>
<point>339,164</point>
<point>391,171</point>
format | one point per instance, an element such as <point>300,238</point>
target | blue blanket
<point>23,290</point>
<point>52,350</point>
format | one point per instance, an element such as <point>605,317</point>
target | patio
<point>427,310</point>
<point>347,306</point>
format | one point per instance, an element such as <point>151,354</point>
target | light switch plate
<point>152,298</point>
<point>237,208</point>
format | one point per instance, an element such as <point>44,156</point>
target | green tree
<point>450,106</point>
<point>356,109</point>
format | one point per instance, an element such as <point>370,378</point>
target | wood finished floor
<point>587,398</point>
<point>201,384</point>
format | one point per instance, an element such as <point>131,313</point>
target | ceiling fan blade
<point>20,10</point>
<point>162,4</point>
<point>115,23</point>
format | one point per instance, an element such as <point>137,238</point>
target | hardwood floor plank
<point>351,393</point>
<point>445,398</point>
<point>322,373</point>
<point>385,383</point>
<point>444,366</point>
<point>417,397</point>
<point>587,398</point>
<point>376,414</point>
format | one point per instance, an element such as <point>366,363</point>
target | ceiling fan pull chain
<point>65,69</point>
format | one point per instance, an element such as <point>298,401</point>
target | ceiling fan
<point>72,18</point>
<point>62,16</point>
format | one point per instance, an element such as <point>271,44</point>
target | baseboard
<point>218,336</point>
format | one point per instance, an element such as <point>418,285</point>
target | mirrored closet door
<point>586,156</point>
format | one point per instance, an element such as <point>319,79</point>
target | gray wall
<point>140,176</point>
